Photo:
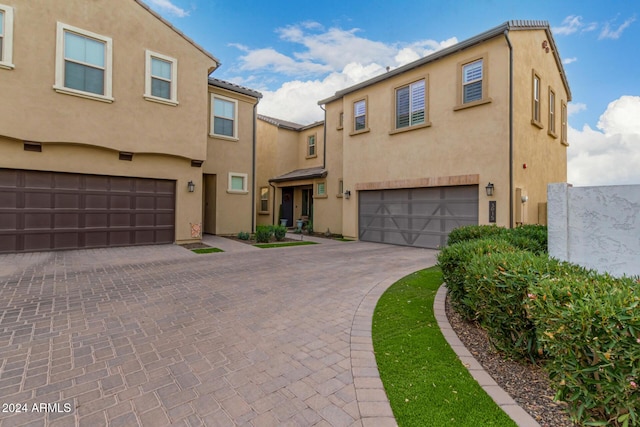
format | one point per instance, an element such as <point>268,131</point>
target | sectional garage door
<point>51,210</point>
<point>421,217</point>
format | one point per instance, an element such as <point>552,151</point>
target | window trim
<point>212,118</point>
<point>148,56</point>
<point>536,120</point>
<point>245,178</point>
<point>340,120</point>
<point>563,123</point>
<point>6,60</point>
<point>552,113</point>
<point>340,188</point>
<point>394,130</point>
<point>314,145</point>
<point>262,199</point>
<point>316,192</point>
<point>108,64</point>
<point>460,104</point>
<point>366,116</point>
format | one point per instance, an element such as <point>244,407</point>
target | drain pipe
<point>506,36</point>
<point>253,181</point>
<point>324,139</point>
<point>273,203</point>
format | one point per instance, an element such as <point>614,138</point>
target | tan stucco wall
<point>233,210</point>
<point>545,156</point>
<point>85,135</point>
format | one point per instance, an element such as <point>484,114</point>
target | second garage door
<point>421,217</point>
<point>52,210</point>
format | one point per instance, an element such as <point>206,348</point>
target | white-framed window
<point>161,78</point>
<point>552,112</point>
<point>83,63</point>
<point>472,75</point>
<point>360,115</point>
<point>6,37</point>
<point>311,146</point>
<point>224,116</point>
<point>410,104</point>
<point>321,189</point>
<point>535,108</point>
<point>237,183</point>
<point>264,199</point>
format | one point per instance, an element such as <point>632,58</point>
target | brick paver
<point>157,335</point>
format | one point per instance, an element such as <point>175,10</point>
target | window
<point>83,63</point>
<point>321,189</point>
<point>410,105</point>
<point>311,146</point>
<point>552,113</point>
<point>237,183</point>
<point>360,115</point>
<point>224,116</point>
<point>472,75</point>
<point>563,123</point>
<point>340,188</point>
<point>341,120</point>
<point>535,107</point>
<point>6,37</point>
<point>264,199</point>
<point>161,74</point>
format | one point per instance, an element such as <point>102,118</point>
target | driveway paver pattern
<point>158,336</point>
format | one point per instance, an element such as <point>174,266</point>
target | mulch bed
<point>527,384</point>
<point>198,245</point>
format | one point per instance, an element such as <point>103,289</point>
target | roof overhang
<point>300,174</point>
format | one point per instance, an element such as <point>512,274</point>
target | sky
<point>297,53</point>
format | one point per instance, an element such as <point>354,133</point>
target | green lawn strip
<point>206,250</point>
<point>426,383</point>
<point>280,245</point>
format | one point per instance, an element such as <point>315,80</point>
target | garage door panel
<point>51,210</point>
<point>421,217</point>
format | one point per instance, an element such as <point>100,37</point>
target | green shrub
<point>263,233</point>
<point>471,232</point>
<point>279,231</point>
<point>454,259</point>
<point>243,235</point>
<point>529,237</point>
<point>589,324</point>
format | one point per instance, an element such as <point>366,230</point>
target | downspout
<point>324,139</point>
<point>253,181</point>
<point>506,35</point>
<point>273,203</point>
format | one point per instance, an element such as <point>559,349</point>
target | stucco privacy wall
<point>596,227</point>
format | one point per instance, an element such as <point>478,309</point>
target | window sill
<point>160,100</point>
<point>472,104</point>
<point>86,95</point>
<point>410,128</point>
<point>320,196</point>
<point>565,143</point>
<point>6,66</point>
<point>225,137</point>
<point>340,128</point>
<point>537,124</point>
<point>339,196</point>
<point>311,157</point>
<point>358,132</point>
<point>264,213</point>
<point>237,192</point>
<point>552,134</point>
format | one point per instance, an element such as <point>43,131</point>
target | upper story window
<point>161,74</point>
<point>563,123</point>
<point>552,113</point>
<point>410,105</point>
<point>224,120</point>
<point>341,120</point>
<point>311,146</point>
<point>360,115</point>
<point>264,199</point>
<point>535,107</point>
<point>6,37</point>
<point>83,63</point>
<point>472,76</point>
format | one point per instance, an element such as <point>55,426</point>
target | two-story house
<point>110,129</point>
<point>471,134</point>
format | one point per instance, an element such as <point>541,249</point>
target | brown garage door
<point>52,210</point>
<point>421,217</point>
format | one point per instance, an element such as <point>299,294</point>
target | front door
<point>209,204</point>
<point>287,205</point>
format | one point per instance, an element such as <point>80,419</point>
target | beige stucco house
<point>471,134</point>
<point>108,134</point>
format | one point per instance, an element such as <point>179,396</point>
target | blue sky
<point>297,53</point>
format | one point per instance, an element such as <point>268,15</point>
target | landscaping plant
<point>263,233</point>
<point>280,232</point>
<point>243,235</point>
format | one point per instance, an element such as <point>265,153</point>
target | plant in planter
<point>310,228</point>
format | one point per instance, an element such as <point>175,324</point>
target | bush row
<point>265,232</point>
<point>584,326</point>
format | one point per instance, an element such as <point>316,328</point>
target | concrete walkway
<point>158,335</point>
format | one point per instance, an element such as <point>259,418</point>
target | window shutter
<point>402,103</point>
<point>417,102</point>
<point>472,81</point>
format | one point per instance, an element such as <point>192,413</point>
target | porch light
<point>191,186</point>
<point>489,189</point>
<point>347,194</point>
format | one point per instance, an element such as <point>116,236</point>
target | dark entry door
<point>287,205</point>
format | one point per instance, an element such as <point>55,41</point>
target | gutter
<point>506,36</point>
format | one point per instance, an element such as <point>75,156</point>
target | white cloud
<point>609,33</point>
<point>168,7</point>
<point>575,108</point>
<point>569,60</point>
<point>610,155</point>
<point>572,24</point>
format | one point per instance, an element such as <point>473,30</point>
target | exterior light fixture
<point>191,186</point>
<point>489,189</point>
<point>347,194</point>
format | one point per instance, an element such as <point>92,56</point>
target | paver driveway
<point>158,335</point>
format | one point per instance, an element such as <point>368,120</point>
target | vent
<point>33,146</point>
<point>126,156</point>
<point>196,163</point>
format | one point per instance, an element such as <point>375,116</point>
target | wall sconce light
<point>347,194</point>
<point>191,186</point>
<point>524,199</point>
<point>489,189</point>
